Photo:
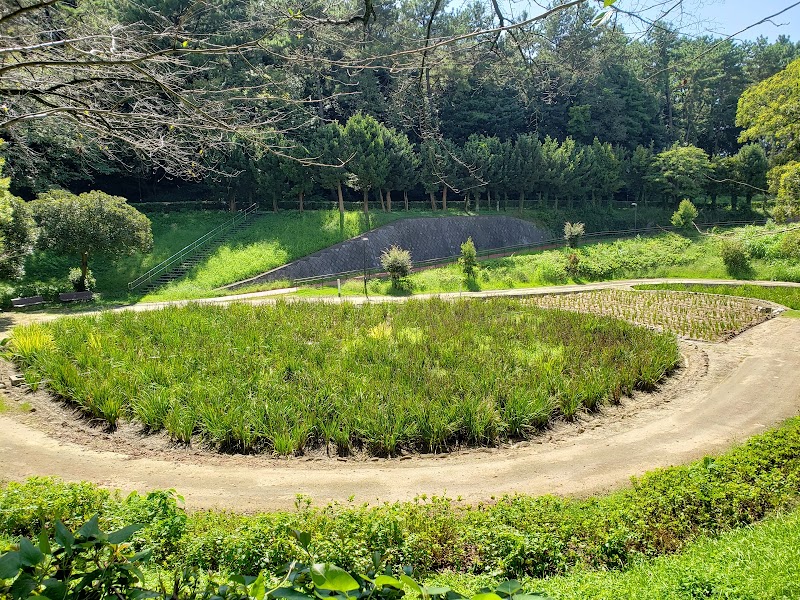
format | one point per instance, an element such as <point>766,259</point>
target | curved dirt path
<point>725,393</point>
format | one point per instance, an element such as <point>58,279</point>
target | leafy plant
<point>573,232</point>
<point>469,258</point>
<point>396,262</point>
<point>79,282</point>
<point>734,256</point>
<point>685,215</point>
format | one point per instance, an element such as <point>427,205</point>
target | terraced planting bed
<point>704,317</point>
<point>418,376</point>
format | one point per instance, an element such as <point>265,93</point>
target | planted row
<point>423,375</point>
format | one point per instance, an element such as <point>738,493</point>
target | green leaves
<point>330,577</point>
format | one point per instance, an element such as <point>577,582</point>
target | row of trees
<point>366,156</point>
<point>130,92</point>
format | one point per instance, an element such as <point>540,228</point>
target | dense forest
<point>562,112</point>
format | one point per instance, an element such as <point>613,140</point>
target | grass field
<point>784,295</point>
<point>425,375</point>
<point>696,316</point>
<point>666,255</point>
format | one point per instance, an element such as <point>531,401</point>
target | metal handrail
<point>189,249</point>
<point>559,241</point>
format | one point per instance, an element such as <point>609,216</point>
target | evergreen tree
<point>364,141</point>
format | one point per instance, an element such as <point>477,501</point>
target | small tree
<point>17,231</point>
<point>397,263</point>
<point>573,232</point>
<point>89,224</point>
<point>685,215</point>
<point>469,258</point>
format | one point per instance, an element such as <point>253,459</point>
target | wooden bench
<point>27,301</point>
<point>76,296</point>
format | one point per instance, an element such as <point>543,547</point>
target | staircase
<point>187,258</point>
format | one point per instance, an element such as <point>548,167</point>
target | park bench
<point>27,301</point>
<point>76,296</point>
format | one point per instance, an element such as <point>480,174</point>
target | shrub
<point>573,232</point>
<point>78,283</point>
<point>469,258</point>
<point>397,263</point>
<point>735,257</point>
<point>685,215</point>
<point>789,246</point>
<point>573,267</point>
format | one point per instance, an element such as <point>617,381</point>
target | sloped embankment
<point>426,238</point>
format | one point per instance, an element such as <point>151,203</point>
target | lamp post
<point>366,241</point>
<point>635,214</point>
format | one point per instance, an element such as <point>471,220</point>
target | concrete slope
<point>426,238</point>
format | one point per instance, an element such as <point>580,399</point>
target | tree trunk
<point>341,198</point>
<point>713,202</point>
<point>521,201</point>
<point>379,191</point>
<point>477,201</point>
<point>405,198</point>
<point>366,201</point>
<point>444,198</point>
<point>389,200</point>
<point>274,203</point>
<point>433,200</point>
<point>749,199</point>
<point>301,196</point>
<point>734,201</point>
<point>232,199</point>
<point>84,271</point>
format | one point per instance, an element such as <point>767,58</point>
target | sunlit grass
<point>422,375</point>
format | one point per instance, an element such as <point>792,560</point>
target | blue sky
<point>724,17</point>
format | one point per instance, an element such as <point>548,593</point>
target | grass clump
<point>788,296</point>
<point>517,536</point>
<point>422,375</point>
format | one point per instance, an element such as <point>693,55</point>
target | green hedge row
<point>515,536</point>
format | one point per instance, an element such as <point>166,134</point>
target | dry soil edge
<point>751,383</point>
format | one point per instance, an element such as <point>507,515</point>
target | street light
<point>366,241</point>
<point>635,214</point>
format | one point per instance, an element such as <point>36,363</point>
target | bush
<point>685,215</point>
<point>396,262</point>
<point>789,246</point>
<point>735,257</point>
<point>660,513</point>
<point>573,232</point>
<point>76,279</point>
<point>469,258</point>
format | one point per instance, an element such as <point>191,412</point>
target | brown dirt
<point>724,393</point>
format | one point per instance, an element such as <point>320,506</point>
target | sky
<point>724,17</point>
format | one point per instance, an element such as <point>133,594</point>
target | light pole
<point>635,214</point>
<point>366,241</point>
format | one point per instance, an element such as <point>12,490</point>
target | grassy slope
<point>760,561</point>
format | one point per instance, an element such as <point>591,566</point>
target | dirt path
<point>724,394</point>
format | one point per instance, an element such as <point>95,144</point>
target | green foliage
<point>659,514</point>
<point>17,231</point>
<point>396,262</point>
<point>734,256</point>
<point>573,232</point>
<point>79,282</point>
<point>92,223</point>
<point>685,215</point>
<point>364,140</point>
<point>300,395</point>
<point>469,258</point>
<point>681,172</point>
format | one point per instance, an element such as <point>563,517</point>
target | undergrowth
<point>659,514</point>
